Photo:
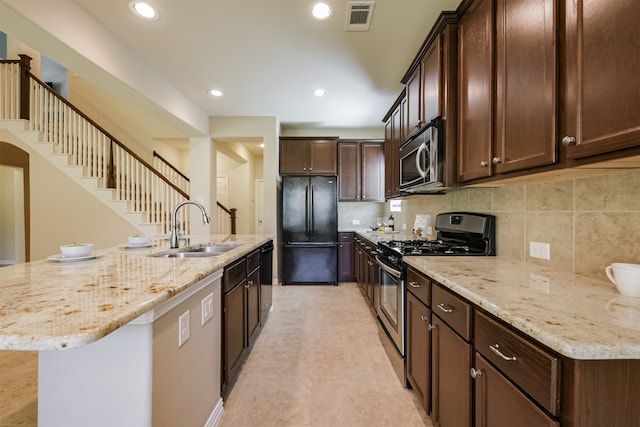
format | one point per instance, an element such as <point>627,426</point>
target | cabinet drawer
<point>452,309</point>
<point>534,369</point>
<point>418,285</point>
<point>234,274</point>
<point>345,237</point>
<point>253,261</point>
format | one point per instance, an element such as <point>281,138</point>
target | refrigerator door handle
<point>306,211</point>
<point>312,227</point>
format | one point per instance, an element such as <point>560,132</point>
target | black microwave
<point>422,160</point>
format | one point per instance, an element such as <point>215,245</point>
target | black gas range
<point>458,234</point>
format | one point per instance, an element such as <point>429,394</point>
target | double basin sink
<point>201,250</point>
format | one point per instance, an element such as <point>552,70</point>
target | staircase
<point>79,147</point>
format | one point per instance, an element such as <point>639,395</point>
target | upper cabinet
<point>600,95</point>
<point>430,81</point>
<point>308,156</point>
<point>393,131</point>
<point>507,114</point>
<point>361,171</point>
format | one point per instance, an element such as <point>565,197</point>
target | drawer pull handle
<point>475,373</point>
<point>495,348</point>
<point>446,308</point>
<point>414,284</point>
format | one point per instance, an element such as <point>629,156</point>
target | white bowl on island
<point>139,240</point>
<point>76,250</point>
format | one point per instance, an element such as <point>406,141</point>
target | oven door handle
<point>391,271</point>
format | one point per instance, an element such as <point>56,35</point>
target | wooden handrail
<point>232,215</point>
<point>100,128</point>
<point>173,168</point>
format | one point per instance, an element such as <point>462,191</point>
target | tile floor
<point>317,362</point>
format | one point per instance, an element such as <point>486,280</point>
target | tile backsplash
<point>589,221</point>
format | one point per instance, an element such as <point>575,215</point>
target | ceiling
<point>268,56</point>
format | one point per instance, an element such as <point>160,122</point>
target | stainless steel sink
<point>201,250</point>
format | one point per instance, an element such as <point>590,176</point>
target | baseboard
<point>216,415</point>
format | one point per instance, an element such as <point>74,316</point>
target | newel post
<point>232,216</point>
<point>25,73</point>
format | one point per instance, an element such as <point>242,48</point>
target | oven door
<point>391,313</point>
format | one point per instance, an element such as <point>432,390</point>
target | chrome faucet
<point>175,224</point>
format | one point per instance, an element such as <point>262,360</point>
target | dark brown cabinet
<point>498,403</point>
<point>361,171</point>
<point>393,135</point>
<point>600,86</point>
<point>419,349</point>
<point>241,313</point>
<point>346,271</point>
<point>451,359</point>
<point>522,134</point>
<point>308,156</point>
<point>366,271</point>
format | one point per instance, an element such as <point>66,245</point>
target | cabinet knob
<point>424,319</point>
<point>496,160</point>
<point>568,140</point>
<point>304,169</point>
<point>484,164</point>
<point>431,327</point>
<point>475,373</point>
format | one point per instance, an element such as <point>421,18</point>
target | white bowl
<point>139,240</point>
<point>74,250</point>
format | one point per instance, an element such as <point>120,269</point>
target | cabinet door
<point>393,139</point>
<point>419,350</point>
<point>322,157</point>
<point>348,171</point>
<point>345,262</point>
<point>253,305</point>
<point>475,99</point>
<point>414,114</point>
<point>451,361</point>
<point>432,82</point>
<point>372,172</point>
<point>234,327</point>
<point>601,107</point>
<point>525,125</point>
<point>293,156</point>
<point>498,403</point>
<point>389,158</point>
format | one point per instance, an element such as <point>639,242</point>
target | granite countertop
<point>47,305</point>
<point>577,316</point>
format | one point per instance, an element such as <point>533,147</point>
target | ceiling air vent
<point>359,15</point>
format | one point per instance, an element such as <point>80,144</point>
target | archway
<point>14,205</point>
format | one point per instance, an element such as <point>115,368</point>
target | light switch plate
<point>356,222</point>
<point>183,328</point>
<point>207,308</point>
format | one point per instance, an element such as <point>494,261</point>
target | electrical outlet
<point>183,328</point>
<point>356,222</point>
<point>207,308</point>
<point>539,250</point>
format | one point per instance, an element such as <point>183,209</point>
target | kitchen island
<point>107,332</point>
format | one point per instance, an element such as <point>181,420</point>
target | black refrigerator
<point>309,230</point>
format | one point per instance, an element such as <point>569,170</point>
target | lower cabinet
<point>346,271</point>
<point>419,349</point>
<point>498,403</point>
<point>451,361</point>
<point>241,314</point>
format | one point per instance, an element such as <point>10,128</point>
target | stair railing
<point>88,145</point>
<point>153,191</point>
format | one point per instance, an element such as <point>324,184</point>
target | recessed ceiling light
<point>143,10</point>
<point>321,10</point>
<point>215,92</point>
<point>319,92</point>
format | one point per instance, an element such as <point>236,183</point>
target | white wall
<point>62,211</point>
<point>12,226</point>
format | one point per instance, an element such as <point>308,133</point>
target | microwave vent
<point>359,15</point>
